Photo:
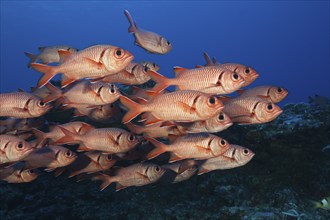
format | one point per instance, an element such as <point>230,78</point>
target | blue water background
<point>287,42</point>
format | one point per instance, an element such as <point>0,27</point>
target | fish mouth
<point>228,124</point>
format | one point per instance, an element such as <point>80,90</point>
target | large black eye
<point>222,142</point>
<point>247,70</point>
<point>118,53</point>
<point>41,103</point>
<point>146,69</point>
<point>270,107</point>
<point>211,100</point>
<point>20,146</point>
<point>68,153</point>
<point>157,168</point>
<point>109,157</point>
<point>235,76</point>
<point>246,151</point>
<point>154,65</point>
<point>279,89</point>
<point>131,137</point>
<point>168,43</point>
<point>221,117</point>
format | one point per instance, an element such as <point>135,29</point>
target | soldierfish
<point>50,157</point>
<point>215,124</point>
<point>13,149</point>
<point>175,106</point>
<point>56,133</point>
<point>198,146</point>
<point>88,162</point>
<point>133,74</point>
<point>18,125</point>
<point>22,105</point>
<point>18,174</point>
<point>139,93</point>
<point>85,92</point>
<point>247,73</point>
<point>138,174</point>
<point>49,54</point>
<point>251,110</point>
<point>210,79</point>
<point>235,156</point>
<point>270,93</point>
<point>93,62</point>
<point>108,140</point>
<point>151,42</point>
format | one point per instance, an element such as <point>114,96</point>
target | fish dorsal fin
<point>207,59</point>
<point>178,70</point>
<point>198,66</point>
<point>41,48</point>
<point>64,54</point>
<point>241,91</point>
<point>20,90</point>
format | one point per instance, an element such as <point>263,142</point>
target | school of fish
<point>134,136</point>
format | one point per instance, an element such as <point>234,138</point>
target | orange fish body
<point>133,74</point>
<point>22,105</point>
<point>235,156</point>
<point>93,62</point>
<point>175,106</point>
<point>270,93</point>
<point>151,42</point>
<point>198,146</point>
<point>138,174</point>
<point>109,140</point>
<point>251,110</point>
<point>18,174</point>
<point>13,149</point>
<point>50,157</point>
<point>210,79</point>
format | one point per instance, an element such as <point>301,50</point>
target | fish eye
<point>235,75</point>
<point>212,100</point>
<point>109,157</point>
<point>131,137</point>
<point>146,69</point>
<point>157,169</point>
<point>118,53</point>
<point>68,49</point>
<point>112,90</point>
<point>247,70</point>
<point>41,103</point>
<point>279,89</point>
<point>168,43</point>
<point>31,171</point>
<point>154,65</point>
<point>221,117</point>
<point>68,153</point>
<point>223,142</point>
<point>269,106</point>
<point>20,146</point>
<point>245,151</point>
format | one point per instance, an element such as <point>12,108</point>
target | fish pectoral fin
<point>93,63</point>
<point>19,109</point>
<point>187,108</point>
<point>263,96</point>
<point>143,176</point>
<point>120,187</point>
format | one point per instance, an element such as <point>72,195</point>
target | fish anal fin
<point>202,171</point>
<point>83,147</point>
<point>120,187</point>
<point>64,54</point>
<point>174,158</point>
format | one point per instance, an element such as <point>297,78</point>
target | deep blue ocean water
<point>287,42</point>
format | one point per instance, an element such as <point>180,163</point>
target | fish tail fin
<point>161,81</point>
<point>159,148</point>
<point>134,128</point>
<point>106,180</point>
<point>132,28</point>
<point>33,58</point>
<point>48,71</point>
<point>134,109</point>
<point>55,93</point>
<point>207,59</point>
<point>41,136</point>
<point>69,136</point>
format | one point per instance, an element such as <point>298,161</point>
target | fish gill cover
<point>117,118</point>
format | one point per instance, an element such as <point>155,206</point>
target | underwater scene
<point>165,110</point>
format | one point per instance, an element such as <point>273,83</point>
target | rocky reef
<point>289,169</point>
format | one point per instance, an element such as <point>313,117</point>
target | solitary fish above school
<point>18,174</point>
<point>49,54</point>
<point>251,110</point>
<point>22,105</point>
<point>183,105</point>
<point>138,174</point>
<point>93,62</point>
<point>13,149</point>
<point>151,42</point>
<point>270,93</point>
<point>211,79</point>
